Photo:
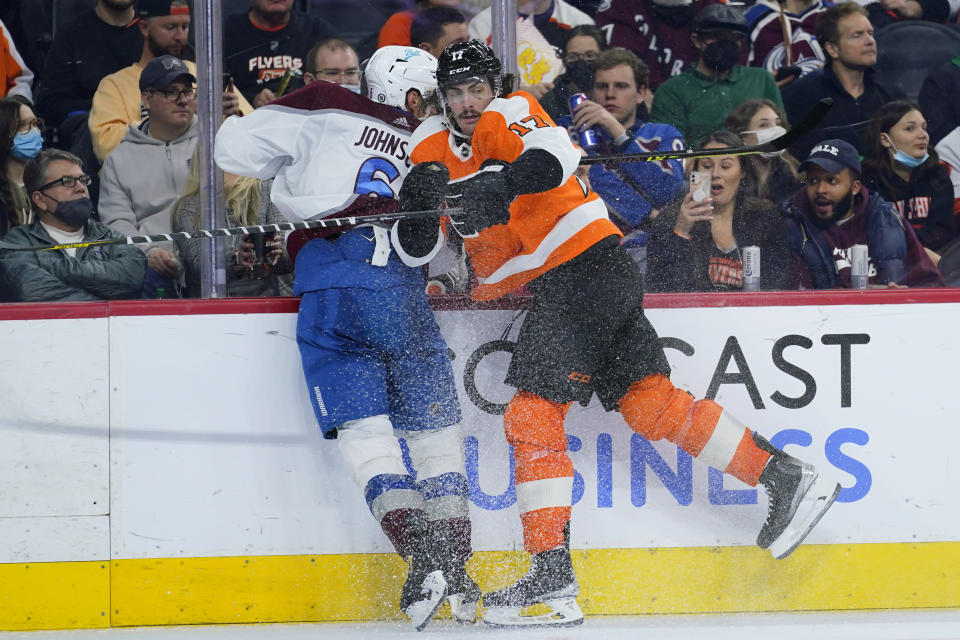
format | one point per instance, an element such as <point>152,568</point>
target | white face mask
<point>766,135</point>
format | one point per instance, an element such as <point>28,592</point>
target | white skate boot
<point>463,594</point>
<point>799,496</point>
<point>550,581</point>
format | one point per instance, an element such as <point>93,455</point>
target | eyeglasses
<point>30,124</point>
<point>173,95</point>
<point>343,75</point>
<point>68,181</point>
<point>589,56</point>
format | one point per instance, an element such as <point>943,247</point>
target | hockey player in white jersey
<point>375,364</point>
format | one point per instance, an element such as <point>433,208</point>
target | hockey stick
<point>813,117</point>
<point>809,122</point>
<point>324,223</point>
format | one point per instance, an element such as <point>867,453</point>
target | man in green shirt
<point>698,100</point>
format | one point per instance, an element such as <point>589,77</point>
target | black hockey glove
<point>423,189</point>
<point>485,199</point>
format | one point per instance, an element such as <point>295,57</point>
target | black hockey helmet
<point>462,61</point>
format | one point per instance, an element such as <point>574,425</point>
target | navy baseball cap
<point>160,72</point>
<point>834,156</point>
<point>152,8</point>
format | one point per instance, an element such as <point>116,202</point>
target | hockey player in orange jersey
<point>528,220</point>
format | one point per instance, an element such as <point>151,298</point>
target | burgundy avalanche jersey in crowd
<point>330,149</point>
<point>769,33</point>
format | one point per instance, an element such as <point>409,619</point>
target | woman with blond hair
<point>247,203</point>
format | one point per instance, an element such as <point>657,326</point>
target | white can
<point>751,268</point>
<point>859,265</point>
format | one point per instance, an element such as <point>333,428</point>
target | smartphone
<point>261,242</point>
<point>700,185</point>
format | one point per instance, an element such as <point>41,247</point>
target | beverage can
<point>586,138</point>
<point>751,268</point>
<point>859,266</point>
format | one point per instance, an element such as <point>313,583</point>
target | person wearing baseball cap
<point>698,100</point>
<point>165,26</point>
<point>833,211</point>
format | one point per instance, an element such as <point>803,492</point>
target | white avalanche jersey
<point>327,148</point>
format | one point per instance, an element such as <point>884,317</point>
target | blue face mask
<point>906,160</point>
<point>27,145</point>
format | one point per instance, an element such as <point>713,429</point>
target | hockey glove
<point>423,189</point>
<point>485,199</point>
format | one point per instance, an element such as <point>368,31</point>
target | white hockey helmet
<point>393,70</point>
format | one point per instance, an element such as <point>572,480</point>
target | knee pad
<point>656,409</point>
<point>437,457</point>
<point>370,449</point>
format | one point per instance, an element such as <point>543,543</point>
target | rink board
<point>160,465</point>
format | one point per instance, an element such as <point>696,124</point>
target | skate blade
<point>464,611</point>
<point>564,612</point>
<point>421,613</point>
<point>818,498</point>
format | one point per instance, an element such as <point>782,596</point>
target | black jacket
<point>80,56</point>
<point>800,96</point>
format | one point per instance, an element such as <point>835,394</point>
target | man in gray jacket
<point>58,194</point>
<point>143,177</point>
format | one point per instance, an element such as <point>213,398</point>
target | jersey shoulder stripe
<point>321,95</point>
<point>427,128</point>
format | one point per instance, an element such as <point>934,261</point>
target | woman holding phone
<point>697,242</point>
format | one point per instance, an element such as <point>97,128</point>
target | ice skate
<point>550,581</point>
<point>463,594</point>
<point>799,496</point>
<point>423,592</point>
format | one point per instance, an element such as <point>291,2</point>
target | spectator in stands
<point>102,40</point>
<point>940,99</point>
<point>846,36</point>
<point>758,121</point>
<point>20,140</point>
<point>584,44</point>
<point>698,245</point>
<point>886,12</point>
<point>551,17</point>
<point>333,60</point>
<point>435,28</point>
<point>145,175</point>
<point>949,151</point>
<point>17,79</point>
<point>902,167</point>
<point>834,211</point>
<point>265,43</point>
<point>658,31</point>
<point>631,190</point>
<point>698,100</point>
<point>247,203</point>
<point>398,29</point>
<point>165,26</point>
<point>782,37</point>
<point>58,194</point>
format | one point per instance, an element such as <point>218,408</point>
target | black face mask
<point>721,55</point>
<point>73,213</point>
<point>840,209</point>
<point>673,16</point>
<point>581,74</point>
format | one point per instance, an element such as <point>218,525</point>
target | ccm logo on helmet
<point>460,69</point>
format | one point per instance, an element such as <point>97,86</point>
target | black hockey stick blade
<point>323,223</point>
<point>809,122</point>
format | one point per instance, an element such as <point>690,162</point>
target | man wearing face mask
<point>583,45</point>
<point>631,189</point>
<point>59,198</point>
<point>698,100</point>
<point>834,211</point>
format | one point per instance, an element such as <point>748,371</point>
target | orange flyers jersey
<point>545,229</point>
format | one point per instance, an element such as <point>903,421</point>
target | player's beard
<point>840,208</point>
